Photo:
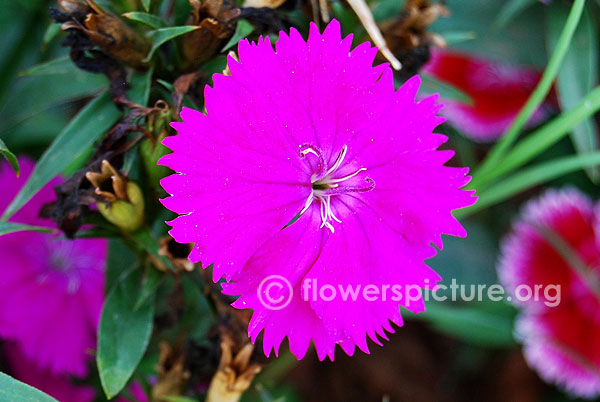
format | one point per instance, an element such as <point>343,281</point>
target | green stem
<point>538,95</point>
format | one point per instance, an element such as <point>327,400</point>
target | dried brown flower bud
<point>263,3</point>
<point>74,7</point>
<point>177,253</point>
<point>172,374</point>
<point>107,31</point>
<point>407,35</point>
<point>216,19</point>
<point>235,373</point>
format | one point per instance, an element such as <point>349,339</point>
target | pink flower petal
<point>312,128</point>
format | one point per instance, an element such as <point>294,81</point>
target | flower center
<point>326,183</point>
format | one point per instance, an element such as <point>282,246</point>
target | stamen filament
<point>338,161</point>
<point>341,179</point>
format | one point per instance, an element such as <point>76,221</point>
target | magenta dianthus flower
<point>311,130</point>
<point>59,386</point>
<point>52,289</point>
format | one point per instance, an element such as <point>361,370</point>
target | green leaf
<point>431,85</point>
<point>166,84</point>
<point>12,227</point>
<point>528,178</point>
<point>471,262</point>
<point>480,323</point>
<point>540,140</point>
<point>542,89</point>
<point>521,42</point>
<point>150,283</point>
<point>90,123</point>
<point>242,29</point>
<point>13,390</point>
<point>146,5</point>
<point>123,334</point>
<point>141,84</point>
<point>179,398</point>
<point>577,75</point>
<point>151,20</point>
<point>51,32</point>
<point>120,259</point>
<point>146,240</point>
<point>511,9</point>
<point>10,157</point>
<point>23,121</point>
<point>162,35</point>
<point>62,65</point>
<point>454,37</point>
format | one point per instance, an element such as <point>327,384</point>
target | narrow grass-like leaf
<point>123,334</point>
<point>13,390</point>
<point>151,20</point>
<point>51,32</point>
<point>62,65</point>
<point>12,227</point>
<point>540,140</point>
<point>89,124</point>
<point>577,75</point>
<point>454,37</point>
<point>528,178</point>
<point>10,157</point>
<point>146,5</point>
<point>510,9</point>
<point>471,324</point>
<point>163,35</point>
<point>538,95</point>
<point>166,84</point>
<point>141,84</point>
<point>242,29</point>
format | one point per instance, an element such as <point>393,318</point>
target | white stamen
<point>309,151</point>
<point>341,179</point>
<point>308,202</point>
<point>338,161</point>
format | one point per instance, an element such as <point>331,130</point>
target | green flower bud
<point>122,204</point>
<point>128,215</point>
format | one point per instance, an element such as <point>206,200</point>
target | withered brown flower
<point>408,37</point>
<point>107,31</point>
<point>216,19</point>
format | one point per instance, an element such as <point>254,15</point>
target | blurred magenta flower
<point>497,90</point>
<point>311,130</point>
<point>52,289</point>
<point>562,342</point>
<point>58,386</point>
<point>135,393</point>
